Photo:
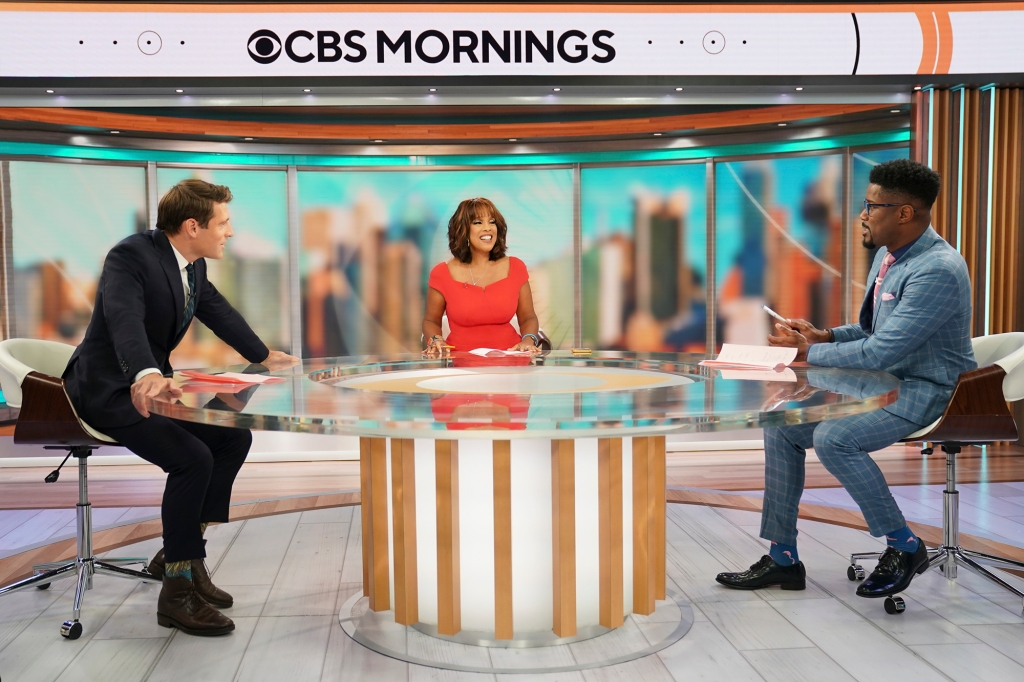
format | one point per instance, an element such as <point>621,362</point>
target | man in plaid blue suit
<point>915,324</point>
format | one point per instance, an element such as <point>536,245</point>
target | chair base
<point>84,568</point>
<point>85,565</point>
<point>950,555</point>
<point>946,559</point>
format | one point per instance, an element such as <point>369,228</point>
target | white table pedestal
<point>513,542</point>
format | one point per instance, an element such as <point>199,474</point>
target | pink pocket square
<point>888,297</point>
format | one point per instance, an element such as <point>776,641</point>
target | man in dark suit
<point>151,287</point>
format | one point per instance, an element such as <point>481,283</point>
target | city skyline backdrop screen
<point>644,259</point>
<point>370,239</point>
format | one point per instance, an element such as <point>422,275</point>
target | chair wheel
<point>43,586</point>
<point>895,605</point>
<point>855,572</point>
<point>927,451</point>
<point>71,629</point>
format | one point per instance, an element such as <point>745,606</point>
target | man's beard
<point>866,241</point>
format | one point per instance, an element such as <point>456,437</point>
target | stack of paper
<point>497,353</point>
<point>233,378</point>
<point>735,356</point>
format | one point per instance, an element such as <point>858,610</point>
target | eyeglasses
<point>868,206</point>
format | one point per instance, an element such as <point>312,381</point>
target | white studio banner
<point>116,41</point>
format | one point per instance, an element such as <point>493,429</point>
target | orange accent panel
<point>373,470</point>
<point>609,496</point>
<point>930,40</point>
<point>449,588</point>
<point>563,535</point>
<point>503,628</point>
<point>403,513</point>
<point>103,120</point>
<point>945,41</point>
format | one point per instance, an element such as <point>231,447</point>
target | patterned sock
<point>203,527</point>
<point>178,569</point>
<point>902,539</point>
<point>784,555</point>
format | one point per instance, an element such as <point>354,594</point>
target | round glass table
<point>514,501</point>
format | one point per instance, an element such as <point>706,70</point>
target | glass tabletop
<point>555,395</point>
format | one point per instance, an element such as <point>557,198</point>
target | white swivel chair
<point>30,372</point>
<point>975,415</point>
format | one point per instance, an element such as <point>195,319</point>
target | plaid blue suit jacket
<point>920,331</point>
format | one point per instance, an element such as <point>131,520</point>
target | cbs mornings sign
<point>432,46</point>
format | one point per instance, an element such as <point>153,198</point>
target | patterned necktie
<point>886,262</point>
<point>190,304</point>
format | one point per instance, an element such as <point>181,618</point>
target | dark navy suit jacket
<point>137,322</point>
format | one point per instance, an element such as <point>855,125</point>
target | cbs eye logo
<point>264,46</point>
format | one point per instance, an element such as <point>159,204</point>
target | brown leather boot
<point>200,578</point>
<point>180,606</point>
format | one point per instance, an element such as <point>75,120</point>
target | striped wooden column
<point>648,523</point>
<point>563,535</point>
<point>403,513</point>
<point>609,481</point>
<point>503,626</point>
<point>374,509</point>
<point>449,591</point>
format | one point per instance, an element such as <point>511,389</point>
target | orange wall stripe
<point>103,120</point>
<point>945,57</point>
<point>930,42</point>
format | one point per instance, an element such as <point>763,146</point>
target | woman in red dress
<point>480,289</point>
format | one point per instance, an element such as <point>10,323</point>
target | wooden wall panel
<point>403,503</point>
<point>609,481</point>
<point>503,625</point>
<point>449,588</point>
<point>374,508</point>
<point>1006,211</point>
<point>563,535</point>
<point>942,161</point>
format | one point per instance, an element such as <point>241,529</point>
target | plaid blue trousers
<point>842,446</point>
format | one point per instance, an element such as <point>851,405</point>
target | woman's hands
<point>526,344</point>
<point>437,348</point>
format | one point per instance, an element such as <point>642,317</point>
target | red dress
<point>479,317</point>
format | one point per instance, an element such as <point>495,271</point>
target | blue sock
<point>784,555</point>
<point>903,539</point>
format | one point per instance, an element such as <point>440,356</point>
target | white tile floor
<point>289,575</point>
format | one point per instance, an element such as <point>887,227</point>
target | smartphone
<point>774,314</point>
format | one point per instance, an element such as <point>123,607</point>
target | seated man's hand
<point>812,334</point>
<point>153,386</point>
<point>790,338</point>
<point>279,360</point>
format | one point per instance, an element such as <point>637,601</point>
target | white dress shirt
<point>182,264</point>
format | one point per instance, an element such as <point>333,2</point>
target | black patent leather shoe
<point>894,572</point>
<point>766,573</point>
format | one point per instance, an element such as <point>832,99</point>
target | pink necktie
<point>886,262</point>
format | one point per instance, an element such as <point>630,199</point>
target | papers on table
<point>735,356</point>
<point>785,374</point>
<point>233,378</point>
<point>497,353</point>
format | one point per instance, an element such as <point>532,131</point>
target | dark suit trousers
<point>201,462</point>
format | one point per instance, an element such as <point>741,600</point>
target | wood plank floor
<point>962,631</point>
<point>142,485</point>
